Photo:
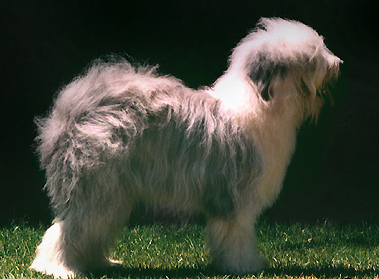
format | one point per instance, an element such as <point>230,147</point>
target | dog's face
<point>331,75</point>
<point>287,61</point>
<point>319,74</point>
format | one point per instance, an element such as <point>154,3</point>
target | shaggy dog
<point>119,135</point>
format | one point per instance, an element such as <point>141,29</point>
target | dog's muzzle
<point>325,90</point>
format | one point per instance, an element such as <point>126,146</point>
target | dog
<point>119,135</point>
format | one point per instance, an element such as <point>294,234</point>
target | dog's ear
<point>264,71</point>
<point>301,69</point>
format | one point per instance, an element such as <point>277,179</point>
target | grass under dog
<point>328,250</point>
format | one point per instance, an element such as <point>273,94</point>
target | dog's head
<point>286,60</point>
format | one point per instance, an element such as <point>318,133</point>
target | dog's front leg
<point>231,243</point>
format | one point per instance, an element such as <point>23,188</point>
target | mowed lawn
<point>327,250</point>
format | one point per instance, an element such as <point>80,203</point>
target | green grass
<point>291,250</point>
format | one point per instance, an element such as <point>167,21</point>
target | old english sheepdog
<point>120,135</point>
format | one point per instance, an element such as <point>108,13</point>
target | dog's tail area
<point>59,158</point>
<point>93,119</point>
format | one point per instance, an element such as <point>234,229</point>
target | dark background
<point>44,44</point>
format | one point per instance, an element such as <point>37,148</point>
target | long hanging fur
<point>118,135</point>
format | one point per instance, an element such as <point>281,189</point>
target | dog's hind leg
<point>81,239</point>
<point>231,243</point>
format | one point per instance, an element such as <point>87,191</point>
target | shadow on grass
<point>323,272</point>
<point>141,272</point>
<point>320,272</point>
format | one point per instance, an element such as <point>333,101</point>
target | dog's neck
<point>272,125</point>
<point>240,98</point>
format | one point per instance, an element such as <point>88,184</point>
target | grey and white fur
<point>119,135</point>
